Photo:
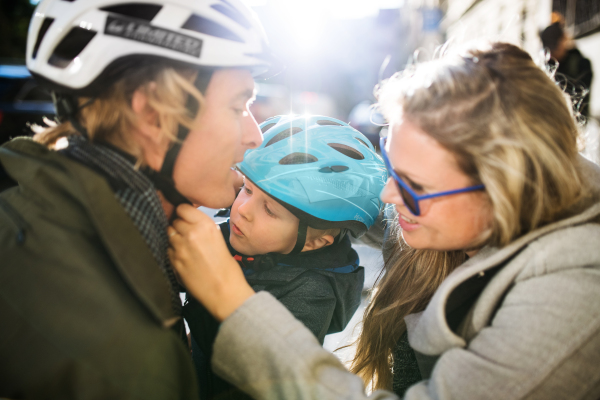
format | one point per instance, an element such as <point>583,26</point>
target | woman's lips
<point>406,223</point>
<point>236,230</point>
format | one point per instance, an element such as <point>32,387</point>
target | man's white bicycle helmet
<point>76,45</point>
<point>80,47</point>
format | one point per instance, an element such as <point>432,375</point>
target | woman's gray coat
<point>533,331</point>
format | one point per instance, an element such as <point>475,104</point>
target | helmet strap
<point>201,83</point>
<point>342,235</point>
<point>163,179</point>
<point>67,107</point>
<point>301,239</point>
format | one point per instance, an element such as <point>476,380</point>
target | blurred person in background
<point>573,70</point>
<point>492,268</point>
<point>153,104</point>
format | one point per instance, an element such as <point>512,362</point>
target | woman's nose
<point>390,193</point>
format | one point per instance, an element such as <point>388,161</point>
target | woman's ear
<point>319,242</point>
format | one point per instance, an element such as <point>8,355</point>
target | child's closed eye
<point>246,189</point>
<point>269,212</point>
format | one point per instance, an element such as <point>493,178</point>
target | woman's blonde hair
<point>509,127</point>
<point>110,118</point>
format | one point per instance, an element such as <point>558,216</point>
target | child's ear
<point>320,242</point>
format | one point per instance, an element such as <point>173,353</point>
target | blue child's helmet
<point>321,169</point>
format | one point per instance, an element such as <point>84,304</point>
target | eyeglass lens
<point>409,201</point>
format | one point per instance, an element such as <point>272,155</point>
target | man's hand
<point>204,265</point>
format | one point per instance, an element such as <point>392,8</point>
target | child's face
<point>261,225</point>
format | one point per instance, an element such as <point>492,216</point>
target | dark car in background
<point>22,102</point>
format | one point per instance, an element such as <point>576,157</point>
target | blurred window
<point>586,15</point>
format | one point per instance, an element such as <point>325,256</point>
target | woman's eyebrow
<point>410,181</point>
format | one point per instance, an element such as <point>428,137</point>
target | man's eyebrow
<point>246,95</point>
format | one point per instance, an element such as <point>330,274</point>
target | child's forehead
<point>272,201</point>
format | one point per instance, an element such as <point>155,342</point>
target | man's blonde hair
<point>109,117</point>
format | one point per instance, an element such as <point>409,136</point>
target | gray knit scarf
<point>136,194</point>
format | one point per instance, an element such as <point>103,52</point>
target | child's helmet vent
<point>267,127</point>
<point>362,142</point>
<point>298,158</point>
<point>347,151</point>
<point>328,122</point>
<point>287,133</point>
<point>334,168</point>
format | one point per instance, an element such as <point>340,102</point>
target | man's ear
<point>317,243</point>
<point>147,117</point>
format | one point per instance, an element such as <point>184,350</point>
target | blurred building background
<point>335,50</point>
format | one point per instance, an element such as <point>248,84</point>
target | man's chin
<point>222,199</point>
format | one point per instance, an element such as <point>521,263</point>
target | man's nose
<point>251,134</point>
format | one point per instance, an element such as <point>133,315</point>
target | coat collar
<point>429,332</point>
<point>27,161</point>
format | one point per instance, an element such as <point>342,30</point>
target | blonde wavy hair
<point>109,117</point>
<point>509,127</point>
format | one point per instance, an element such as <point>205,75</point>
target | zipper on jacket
<point>16,219</point>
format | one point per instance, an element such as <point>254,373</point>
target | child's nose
<point>245,210</point>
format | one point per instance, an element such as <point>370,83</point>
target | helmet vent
<point>347,151</point>
<point>362,142</point>
<point>267,127</point>
<point>71,46</point>
<point>200,24</point>
<point>298,158</point>
<point>142,11</point>
<point>328,122</point>
<point>43,29</point>
<point>232,12</point>
<point>334,168</point>
<point>287,133</point>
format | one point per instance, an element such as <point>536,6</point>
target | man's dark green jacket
<point>85,310</point>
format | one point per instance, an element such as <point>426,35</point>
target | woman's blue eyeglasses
<point>410,198</point>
